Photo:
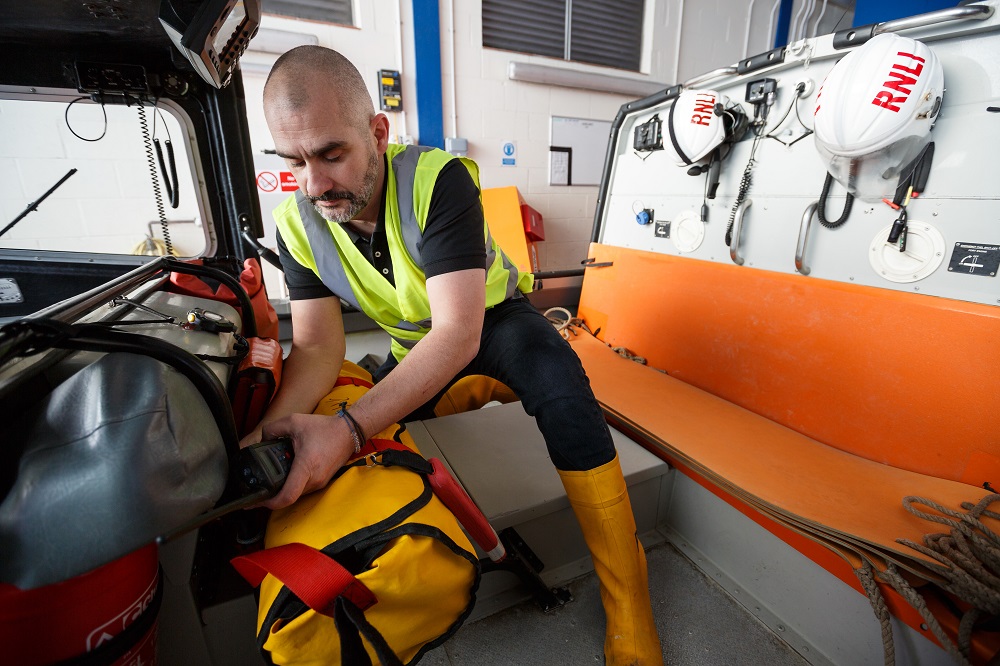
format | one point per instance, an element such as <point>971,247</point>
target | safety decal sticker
<point>975,259</point>
<point>10,293</point>
<point>267,181</point>
<point>288,182</point>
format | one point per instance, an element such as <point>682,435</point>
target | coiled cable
<point>745,183</point>
<point>169,179</point>
<point>73,131</point>
<point>151,161</point>
<point>821,206</point>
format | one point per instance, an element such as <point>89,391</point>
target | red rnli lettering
<point>910,56</point>
<point>704,108</point>
<point>901,82</point>
<point>901,85</point>
<point>886,100</point>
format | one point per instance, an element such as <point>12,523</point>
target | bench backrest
<point>907,380</point>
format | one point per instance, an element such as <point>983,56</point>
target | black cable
<point>70,127</point>
<point>169,181</point>
<point>175,194</point>
<point>808,129</point>
<point>795,105</point>
<point>161,211</point>
<point>704,193</point>
<point>769,135</point>
<point>821,206</point>
<point>745,182</point>
<point>673,135</point>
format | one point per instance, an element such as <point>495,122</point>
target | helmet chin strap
<point>673,135</point>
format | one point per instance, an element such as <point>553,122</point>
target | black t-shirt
<point>453,238</point>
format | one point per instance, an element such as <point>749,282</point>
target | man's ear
<point>380,130</point>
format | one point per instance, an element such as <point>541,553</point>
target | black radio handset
<point>169,178</point>
<point>264,465</point>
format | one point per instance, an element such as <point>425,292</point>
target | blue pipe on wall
<point>427,40</point>
<point>784,23</point>
<point>867,12</point>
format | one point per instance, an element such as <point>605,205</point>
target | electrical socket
<point>757,91</point>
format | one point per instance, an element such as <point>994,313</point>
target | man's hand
<point>252,437</point>
<point>322,445</point>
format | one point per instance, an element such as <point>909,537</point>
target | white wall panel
<point>960,200</point>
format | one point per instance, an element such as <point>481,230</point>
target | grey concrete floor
<point>699,625</point>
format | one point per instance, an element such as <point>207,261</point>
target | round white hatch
<point>923,254</point>
<point>687,231</point>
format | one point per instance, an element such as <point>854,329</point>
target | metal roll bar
<point>969,12</point>
<point>710,76</point>
<point>857,36</point>
<point>73,308</point>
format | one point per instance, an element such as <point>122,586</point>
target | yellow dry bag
<point>373,568</point>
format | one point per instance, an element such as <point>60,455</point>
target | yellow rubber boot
<point>600,501</point>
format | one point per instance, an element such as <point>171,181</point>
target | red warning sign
<point>267,181</point>
<point>288,183</point>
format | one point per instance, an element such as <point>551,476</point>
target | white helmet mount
<point>875,111</point>
<point>699,122</point>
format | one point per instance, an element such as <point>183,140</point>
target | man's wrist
<point>357,434</point>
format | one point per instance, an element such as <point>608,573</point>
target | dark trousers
<point>521,348</point>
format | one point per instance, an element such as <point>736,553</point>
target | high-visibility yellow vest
<point>402,311</point>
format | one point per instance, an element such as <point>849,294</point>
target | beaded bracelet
<point>357,434</point>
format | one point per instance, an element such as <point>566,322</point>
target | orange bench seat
<point>819,405</point>
<point>775,469</point>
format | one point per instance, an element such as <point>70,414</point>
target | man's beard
<point>356,200</point>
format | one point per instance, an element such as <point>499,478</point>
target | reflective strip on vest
<point>512,274</point>
<point>404,166</point>
<point>328,264</point>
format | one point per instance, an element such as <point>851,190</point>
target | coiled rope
<point>561,324</point>
<point>968,559</point>
<point>866,575</point>
<point>567,325</point>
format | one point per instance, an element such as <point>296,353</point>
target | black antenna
<point>33,206</point>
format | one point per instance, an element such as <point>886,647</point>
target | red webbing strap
<point>375,445</point>
<point>313,577</point>
<point>452,495</point>
<point>352,381</point>
<point>460,504</point>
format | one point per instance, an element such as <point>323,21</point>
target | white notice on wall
<point>588,143</point>
<point>559,161</point>
<point>509,153</point>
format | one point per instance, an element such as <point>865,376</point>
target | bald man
<point>398,231</point>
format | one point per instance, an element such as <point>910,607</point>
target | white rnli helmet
<point>696,125</point>
<point>875,111</point>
